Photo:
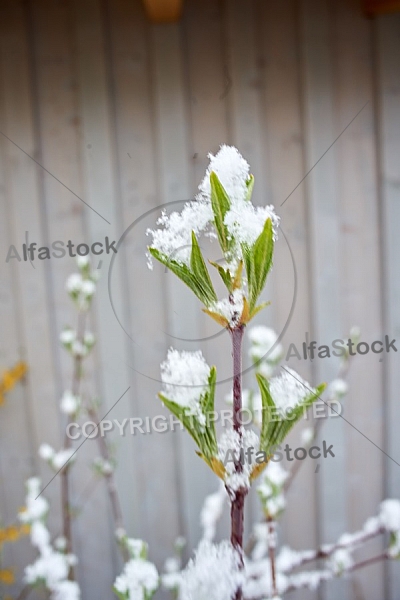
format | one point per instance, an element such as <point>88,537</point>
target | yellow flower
<point>7,576</point>
<point>11,377</point>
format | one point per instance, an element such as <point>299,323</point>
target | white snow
<point>263,339</point>
<point>288,390</point>
<point>212,510</point>
<point>230,308</point>
<point>185,378</point>
<point>213,574</point>
<point>230,446</point>
<point>244,222</point>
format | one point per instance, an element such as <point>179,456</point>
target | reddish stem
<point>237,496</point>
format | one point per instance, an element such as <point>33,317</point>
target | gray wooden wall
<point>123,113</point>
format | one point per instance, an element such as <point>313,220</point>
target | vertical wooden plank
<point>58,116</point>
<point>157,519</point>
<point>324,219</point>
<point>182,309</point>
<point>100,192</point>
<point>387,35</point>
<point>26,209</point>
<point>284,152</point>
<point>244,93</point>
<point>16,461</point>
<point>360,274</point>
<point>209,87</point>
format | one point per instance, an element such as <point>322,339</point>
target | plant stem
<point>271,552</point>
<point>110,481</point>
<point>65,491</point>
<point>237,496</point>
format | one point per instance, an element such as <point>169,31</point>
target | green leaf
<point>249,265</point>
<point>179,412</point>
<point>273,432</point>
<point>250,186</point>
<point>207,404</point>
<point>220,204</point>
<point>225,275</point>
<point>200,271</point>
<point>268,406</point>
<point>262,253</point>
<point>184,274</point>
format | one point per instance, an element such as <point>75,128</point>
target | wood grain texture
<point>387,37</point>
<point>124,112</point>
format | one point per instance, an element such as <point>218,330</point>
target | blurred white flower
<point>69,403</point>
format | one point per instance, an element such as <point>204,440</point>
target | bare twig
<point>272,553</point>
<point>110,481</point>
<point>65,491</point>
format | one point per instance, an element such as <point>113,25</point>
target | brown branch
<point>331,575</point>
<point>327,552</point>
<point>24,593</point>
<point>110,481</point>
<point>65,490</point>
<point>237,496</point>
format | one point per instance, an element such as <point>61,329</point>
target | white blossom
<point>67,336</point>
<point>60,543</point>
<point>338,388</point>
<point>139,579</point>
<point>341,560</point>
<point>82,261</point>
<point>40,535</point>
<point>78,349</point>
<point>66,590</point>
<point>74,283</point>
<point>88,288</point>
<point>389,515</point>
<point>89,339</point>
<point>63,458</point>
<point>307,436</point>
<point>69,403</point>
<point>46,452</point>
<point>104,466</point>
<point>36,507</point>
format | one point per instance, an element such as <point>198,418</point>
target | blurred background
<point>121,111</point>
